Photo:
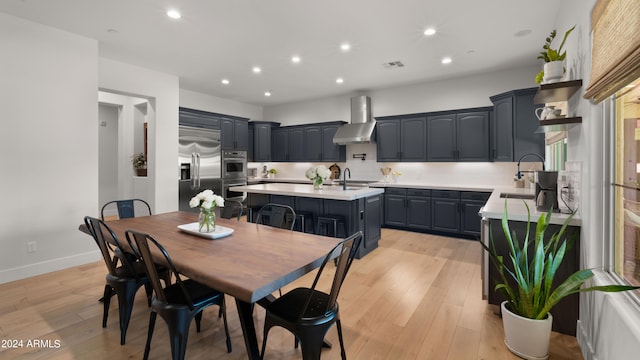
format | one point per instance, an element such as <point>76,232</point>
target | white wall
<point>48,147</point>
<point>464,92</point>
<point>161,90</point>
<point>198,101</point>
<point>609,325</point>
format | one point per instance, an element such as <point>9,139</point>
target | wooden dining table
<point>249,265</point>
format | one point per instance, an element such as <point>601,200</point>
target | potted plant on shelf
<point>139,164</point>
<point>553,59</point>
<point>532,267</point>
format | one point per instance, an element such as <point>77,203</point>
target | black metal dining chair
<point>309,313</point>
<point>231,208</point>
<point>125,275</point>
<point>277,215</point>
<point>177,303</point>
<point>126,208</point>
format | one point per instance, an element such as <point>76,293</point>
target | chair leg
<point>152,323</point>
<point>178,324</point>
<point>198,318</point>
<point>223,309</point>
<point>148,289</point>
<point>342,352</point>
<point>106,300</point>
<point>126,296</point>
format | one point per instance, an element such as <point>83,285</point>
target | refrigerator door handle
<point>194,174</point>
<point>198,167</point>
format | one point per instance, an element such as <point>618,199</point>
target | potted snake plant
<point>553,59</point>
<point>532,266</point>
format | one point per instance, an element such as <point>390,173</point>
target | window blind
<point>615,47</point>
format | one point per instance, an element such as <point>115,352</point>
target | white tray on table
<point>219,232</point>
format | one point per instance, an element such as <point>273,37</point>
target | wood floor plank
<point>418,296</point>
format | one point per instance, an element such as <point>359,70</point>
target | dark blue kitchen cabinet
<point>250,144</point>
<point>395,210</point>
<point>401,139</point>
<point>296,144</point>
<point>313,143</point>
<point>470,203</point>
<point>459,136</point>
<point>441,137</point>
<point>419,209</point>
<point>288,144</point>
<point>407,208</point>
<point>372,219</point>
<point>260,140</point>
<point>197,118</point>
<point>472,136</point>
<point>445,211</point>
<point>234,133</point>
<point>513,133</point>
<point>331,151</point>
<point>280,144</point>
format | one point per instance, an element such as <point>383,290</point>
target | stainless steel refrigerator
<point>199,152</point>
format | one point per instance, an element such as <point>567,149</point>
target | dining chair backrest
<point>346,251</point>
<point>142,241</point>
<point>230,208</point>
<point>277,215</point>
<point>126,208</point>
<point>110,247</point>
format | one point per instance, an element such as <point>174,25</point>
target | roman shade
<point>615,54</point>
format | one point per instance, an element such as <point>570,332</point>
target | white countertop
<point>517,208</point>
<point>493,209</point>
<point>303,190</point>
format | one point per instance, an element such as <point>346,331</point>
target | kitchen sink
<point>517,196</point>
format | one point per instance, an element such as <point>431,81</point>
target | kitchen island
<point>361,207</point>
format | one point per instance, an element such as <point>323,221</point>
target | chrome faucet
<point>519,173</point>
<point>344,178</point>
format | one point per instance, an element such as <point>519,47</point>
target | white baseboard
<point>23,272</point>
<point>585,345</point>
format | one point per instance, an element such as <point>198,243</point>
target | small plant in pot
<point>553,59</point>
<point>532,266</point>
<point>139,164</point>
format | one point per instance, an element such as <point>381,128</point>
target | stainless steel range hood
<point>362,123</point>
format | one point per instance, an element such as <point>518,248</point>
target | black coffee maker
<point>546,190</point>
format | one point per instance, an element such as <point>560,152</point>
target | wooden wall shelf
<point>560,91</point>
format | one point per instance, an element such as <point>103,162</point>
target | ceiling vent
<point>393,65</point>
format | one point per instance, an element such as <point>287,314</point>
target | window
<point>626,187</point>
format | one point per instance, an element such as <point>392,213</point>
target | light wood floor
<point>415,297</point>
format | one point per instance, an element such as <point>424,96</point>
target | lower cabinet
<point>449,211</point>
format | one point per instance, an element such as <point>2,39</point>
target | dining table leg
<point>245,313</point>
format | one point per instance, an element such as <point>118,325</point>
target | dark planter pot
<point>141,172</point>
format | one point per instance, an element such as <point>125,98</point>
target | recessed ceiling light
<point>339,80</point>
<point>225,81</point>
<point>430,31</point>
<point>112,31</point>
<point>522,33</point>
<point>256,70</point>
<point>174,14</point>
<point>446,60</point>
<point>267,93</point>
<point>345,47</point>
<point>296,59</point>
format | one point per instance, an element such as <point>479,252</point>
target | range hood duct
<point>362,123</point>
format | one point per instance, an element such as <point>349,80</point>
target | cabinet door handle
<point>494,153</point>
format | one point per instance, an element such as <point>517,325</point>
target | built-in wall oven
<point>234,173</point>
<point>234,164</point>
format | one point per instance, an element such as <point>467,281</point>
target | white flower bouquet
<point>318,174</point>
<point>207,201</point>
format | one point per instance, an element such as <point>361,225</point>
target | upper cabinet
<point>401,138</point>
<point>234,133</point>
<point>260,133</point>
<point>288,144</point>
<point>197,118</point>
<point>319,146</point>
<point>459,136</point>
<point>514,126</point>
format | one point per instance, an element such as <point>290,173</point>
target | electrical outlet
<point>32,246</point>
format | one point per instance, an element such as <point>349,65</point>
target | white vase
<point>527,338</point>
<point>553,71</point>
